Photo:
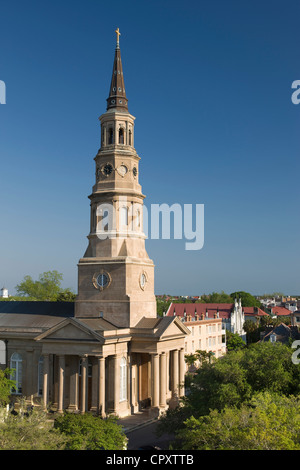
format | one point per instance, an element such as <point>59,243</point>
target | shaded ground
<point>140,430</point>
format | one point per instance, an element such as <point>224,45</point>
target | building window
<point>130,137</point>
<point>111,136</point>
<point>121,135</point>
<point>123,379</point>
<point>16,366</point>
<point>105,220</point>
<point>124,216</point>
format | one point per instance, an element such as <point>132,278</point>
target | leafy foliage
<point>267,422</point>
<point>230,383</point>
<point>88,432</point>
<point>46,288</point>
<point>5,386</point>
<point>29,431</point>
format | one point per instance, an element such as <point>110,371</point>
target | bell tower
<point>115,275</point>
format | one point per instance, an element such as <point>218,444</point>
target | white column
<point>181,372</point>
<point>101,382</point>
<point>84,373</point>
<point>155,379</point>
<point>46,380</point>
<point>175,378</point>
<point>163,379</point>
<point>61,368</point>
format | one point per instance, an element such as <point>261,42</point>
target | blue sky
<point>210,85</point>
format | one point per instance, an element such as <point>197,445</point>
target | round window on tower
<point>101,280</point>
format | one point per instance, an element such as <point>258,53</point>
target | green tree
<point>88,432</point>
<point>29,431</point>
<point>267,422</point>
<point>46,288</point>
<point>252,330</point>
<point>217,298</point>
<point>247,299</point>
<point>234,341</point>
<point>234,379</point>
<point>66,296</point>
<point>5,386</point>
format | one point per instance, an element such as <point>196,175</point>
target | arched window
<point>16,366</point>
<point>130,137</point>
<point>121,135</point>
<point>105,220</point>
<point>124,216</point>
<point>123,379</point>
<point>111,136</point>
<point>41,376</point>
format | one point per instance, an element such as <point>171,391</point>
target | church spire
<point>117,97</point>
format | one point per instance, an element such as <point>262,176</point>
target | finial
<point>118,36</point>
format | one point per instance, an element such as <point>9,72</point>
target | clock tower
<point>115,275</point>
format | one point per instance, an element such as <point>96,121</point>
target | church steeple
<point>116,275</point>
<point>117,96</point>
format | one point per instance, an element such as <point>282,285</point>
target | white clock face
<point>122,170</point>
<point>143,280</point>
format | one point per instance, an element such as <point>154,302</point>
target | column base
<point>154,412</point>
<point>173,403</point>
<point>72,408</point>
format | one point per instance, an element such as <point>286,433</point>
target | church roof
<point>35,316</point>
<point>65,309</point>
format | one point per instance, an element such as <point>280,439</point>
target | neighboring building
<point>281,333</point>
<point>4,293</point>
<point>280,312</point>
<point>295,318</point>
<point>291,305</point>
<point>231,315</point>
<point>107,352</point>
<point>254,313</point>
<point>206,335</point>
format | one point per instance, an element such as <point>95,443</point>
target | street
<point>145,436</point>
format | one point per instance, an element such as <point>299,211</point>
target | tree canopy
<point>46,288</point>
<point>228,385</point>
<point>267,422</point>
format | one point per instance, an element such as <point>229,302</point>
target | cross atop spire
<point>117,97</point>
<point>118,37</point>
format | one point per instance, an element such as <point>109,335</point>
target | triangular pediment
<point>160,328</point>
<point>70,330</point>
<point>175,327</point>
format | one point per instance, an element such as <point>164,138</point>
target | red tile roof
<point>254,311</point>
<point>281,311</point>
<point>198,308</point>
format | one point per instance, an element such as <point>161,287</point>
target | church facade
<point>107,352</point>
